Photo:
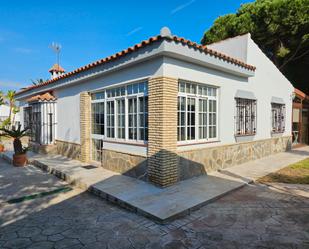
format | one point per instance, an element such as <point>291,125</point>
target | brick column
<point>85,128</point>
<point>162,126</point>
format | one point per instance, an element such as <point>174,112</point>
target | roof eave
<point>199,55</point>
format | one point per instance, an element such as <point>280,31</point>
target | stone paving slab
<point>162,204</point>
<point>17,182</point>
<point>253,170</point>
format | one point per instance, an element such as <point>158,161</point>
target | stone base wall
<point>127,164</point>
<point>42,149</point>
<point>67,149</point>
<point>200,161</point>
<point>71,150</point>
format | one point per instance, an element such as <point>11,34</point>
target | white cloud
<point>181,7</point>
<point>23,50</point>
<point>134,31</point>
<point>12,84</point>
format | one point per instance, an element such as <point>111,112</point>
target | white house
<point>5,112</point>
<point>167,108</point>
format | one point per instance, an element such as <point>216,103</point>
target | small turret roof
<point>56,68</point>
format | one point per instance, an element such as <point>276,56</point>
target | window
<point>278,117</point>
<point>27,117</point>
<point>132,118</point>
<point>245,117</point>
<point>197,112</point>
<point>212,118</point>
<point>202,118</point>
<point>120,118</point>
<point>97,146</point>
<point>119,113</point>
<point>97,117</point>
<point>190,118</point>
<point>143,118</point>
<point>36,123</point>
<point>110,116</point>
<point>181,118</point>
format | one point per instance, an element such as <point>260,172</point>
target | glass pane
<point>200,88</point>
<point>130,89</point>
<point>182,87</point>
<point>187,88</point>
<point>141,87</point>
<point>182,118</point>
<point>135,88</point>
<point>141,104</point>
<point>123,91</point>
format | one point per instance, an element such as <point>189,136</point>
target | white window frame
<point>198,96</point>
<point>126,96</point>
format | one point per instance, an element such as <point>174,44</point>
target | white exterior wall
<point>267,82</point>
<point>68,101</point>
<point>185,63</point>
<point>235,47</point>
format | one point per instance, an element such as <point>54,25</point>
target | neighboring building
<point>5,112</point>
<point>167,106</point>
<point>300,118</point>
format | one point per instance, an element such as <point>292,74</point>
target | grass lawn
<point>297,173</point>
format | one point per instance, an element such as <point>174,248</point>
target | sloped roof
<point>42,97</point>
<point>301,94</point>
<point>136,47</point>
<point>56,68</point>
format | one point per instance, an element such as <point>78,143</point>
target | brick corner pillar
<point>85,129</point>
<point>162,126</point>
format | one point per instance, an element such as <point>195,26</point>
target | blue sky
<point>90,30</point>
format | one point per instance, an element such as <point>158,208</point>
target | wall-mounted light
<point>293,95</point>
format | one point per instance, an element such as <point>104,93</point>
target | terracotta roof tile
<point>41,97</point>
<point>56,68</point>
<point>300,94</point>
<point>140,45</point>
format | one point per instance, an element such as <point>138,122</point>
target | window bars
<point>246,116</point>
<point>278,117</point>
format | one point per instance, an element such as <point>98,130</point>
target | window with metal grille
<point>278,117</point>
<point>245,118</point>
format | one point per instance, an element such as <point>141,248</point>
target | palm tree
<point>1,98</point>
<point>16,134</point>
<point>10,96</point>
<point>37,81</point>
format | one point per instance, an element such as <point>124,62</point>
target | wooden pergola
<point>300,118</point>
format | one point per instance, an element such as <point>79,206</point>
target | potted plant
<point>20,152</point>
<point>1,146</point>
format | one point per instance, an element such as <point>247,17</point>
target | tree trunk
<point>18,148</point>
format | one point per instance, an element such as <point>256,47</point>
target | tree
<point>9,99</point>
<point>1,98</point>
<point>279,27</point>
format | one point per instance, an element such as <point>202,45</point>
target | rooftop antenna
<point>56,47</point>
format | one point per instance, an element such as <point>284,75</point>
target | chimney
<point>56,71</point>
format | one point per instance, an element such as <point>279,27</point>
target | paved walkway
<point>18,182</point>
<point>254,217</point>
<point>168,203</point>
